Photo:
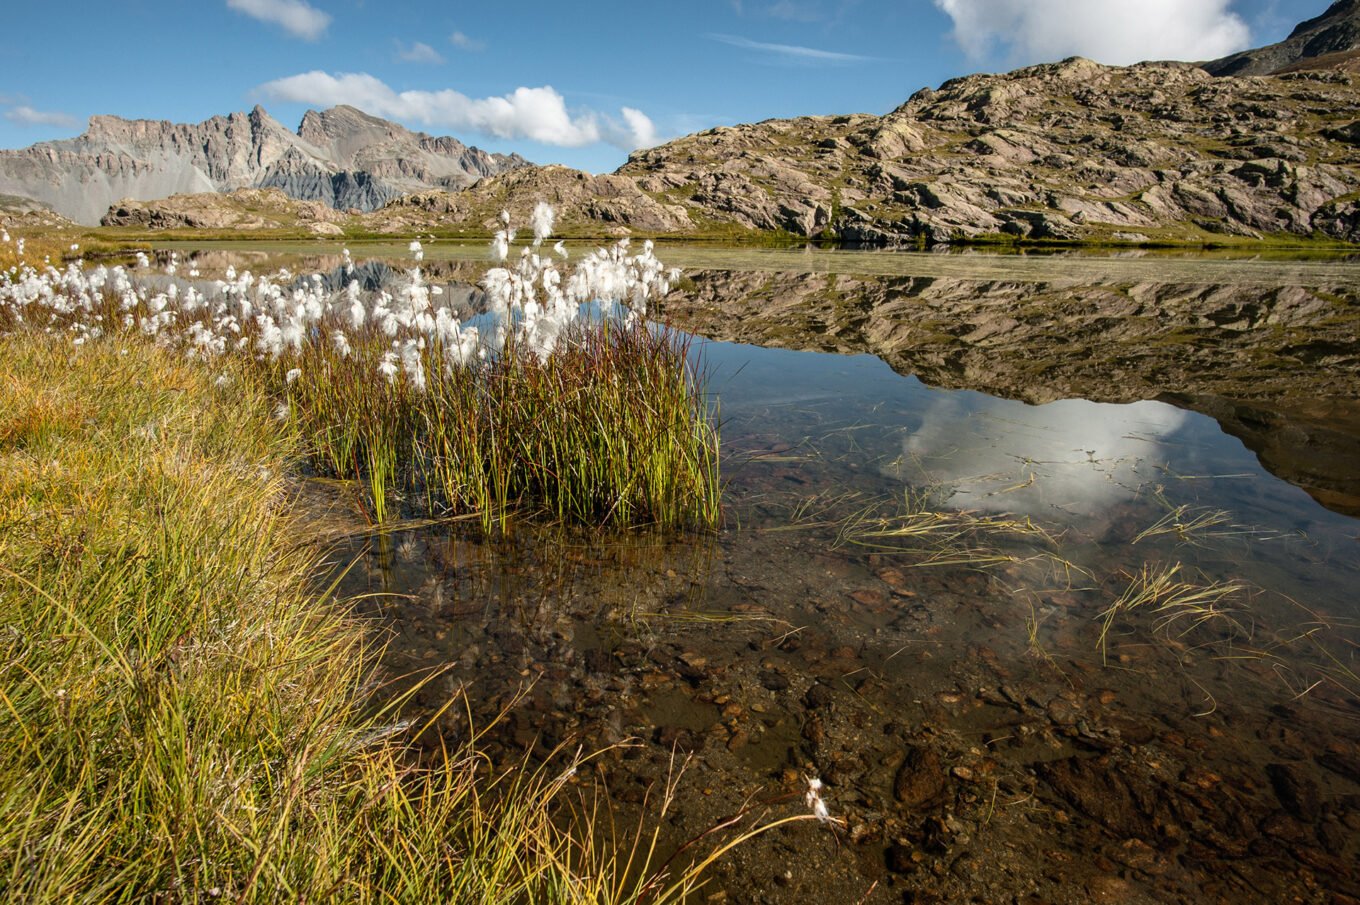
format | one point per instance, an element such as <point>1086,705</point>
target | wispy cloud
<point>418,52</point>
<point>25,115</point>
<point>794,11</point>
<point>297,17</point>
<point>792,52</point>
<point>463,42</point>
<point>537,114</point>
<point>1031,31</point>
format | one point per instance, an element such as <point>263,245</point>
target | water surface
<point>925,592</point>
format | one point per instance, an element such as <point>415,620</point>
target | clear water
<point>814,634</point>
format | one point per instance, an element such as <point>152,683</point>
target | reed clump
<point>612,428</point>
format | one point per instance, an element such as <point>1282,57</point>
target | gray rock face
<point>342,157</point>
<point>1057,152</point>
<point>1335,32</point>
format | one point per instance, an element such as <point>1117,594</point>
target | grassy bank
<point>184,718</point>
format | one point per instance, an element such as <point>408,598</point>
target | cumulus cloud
<point>1031,31</point>
<point>297,17</point>
<point>418,52</point>
<point>25,115</point>
<point>793,51</point>
<point>538,114</point>
<point>463,42</point>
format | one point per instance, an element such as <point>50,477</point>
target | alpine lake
<point>1046,565</point>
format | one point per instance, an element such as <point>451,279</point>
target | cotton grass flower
<point>542,222</point>
<point>815,802</point>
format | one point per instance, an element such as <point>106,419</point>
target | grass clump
<point>1175,603</point>
<point>184,718</point>
<point>563,399</point>
<point>612,428</point>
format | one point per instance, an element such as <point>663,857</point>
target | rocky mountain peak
<point>1325,41</point>
<point>342,157</point>
<point>345,122</point>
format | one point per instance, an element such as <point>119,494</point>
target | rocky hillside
<point>1330,39</point>
<point>342,157</point>
<point>583,203</point>
<point>243,209</point>
<point>1158,152</point>
<point>1071,150</point>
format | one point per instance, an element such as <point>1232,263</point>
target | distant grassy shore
<point>185,712</point>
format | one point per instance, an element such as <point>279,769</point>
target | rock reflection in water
<point>1287,355</point>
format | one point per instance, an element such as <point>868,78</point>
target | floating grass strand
<point>1175,603</point>
<point>1196,526</point>
<point>944,537</point>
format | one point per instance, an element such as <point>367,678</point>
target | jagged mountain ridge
<point>342,157</point>
<point>1325,39</point>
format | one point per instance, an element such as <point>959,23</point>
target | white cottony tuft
<point>542,222</point>
<point>814,800</point>
<point>500,246</point>
<point>409,334</point>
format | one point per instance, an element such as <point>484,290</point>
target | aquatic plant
<point>562,398</point>
<point>1174,602</point>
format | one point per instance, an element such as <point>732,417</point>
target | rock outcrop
<point>243,209</point>
<point>609,204</point>
<point>1328,40</point>
<point>1063,151</point>
<point>341,157</point>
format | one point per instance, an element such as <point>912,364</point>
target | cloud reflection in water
<point>1072,456</point>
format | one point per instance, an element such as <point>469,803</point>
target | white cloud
<point>640,132</point>
<point>25,115</point>
<point>538,114</point>
<point>793,51</point>
<point>418,53</point>
<point>463,42</point>
<point>1119,33</point>
<point>297,17</point>
<point>794,11</point>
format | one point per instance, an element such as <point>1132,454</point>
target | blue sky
<point>579,84</point>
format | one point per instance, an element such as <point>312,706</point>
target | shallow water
<point>923,595</point>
